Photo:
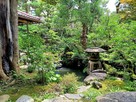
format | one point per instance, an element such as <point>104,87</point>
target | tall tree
<point>84,11</point>
<point>8,37</point>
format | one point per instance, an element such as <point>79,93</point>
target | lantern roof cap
<point>94,49</point>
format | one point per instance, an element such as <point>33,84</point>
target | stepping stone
<point>25,98</point>
<point>83,88</point>
<point>73,96</point>
<point>4,98</point>
<point>57,99</point>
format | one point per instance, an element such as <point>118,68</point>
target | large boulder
<point>118,97</point>
<point>95,75</point>
<point>25,98</point>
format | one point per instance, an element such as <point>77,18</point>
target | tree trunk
<point>14,23</point>
<point>2,74</point>
<point>84,35</point>
<point>8,37</point>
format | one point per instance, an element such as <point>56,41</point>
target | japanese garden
<point>67,51</point>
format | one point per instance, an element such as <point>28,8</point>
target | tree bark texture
<point>8,37</point>
<point>84,35</point>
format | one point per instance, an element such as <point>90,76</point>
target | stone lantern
<point>94,59</point>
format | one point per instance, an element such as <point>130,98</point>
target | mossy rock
<point>109,83</point>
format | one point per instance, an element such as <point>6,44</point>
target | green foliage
<point>111,83</point>
<point>91,94</point>
<point>78,11</point>
<point>37,58</point>
<point>61,30</point>
<point>109,86</point>
<point>46,72</point>
<point>74,57</point>
<point>69,83</point>
<point>31,68</point>
<point>54,88</point>
<point>45,96</point>
<point>110,70</point>
<point>130,86</point>
<point>79,16</point>
<point>133,76</point>
<point>32,45</point>
<point>118,36</point>
<point>54,43</point>
<point>46,77</point>
<point>118,85</point>
<point>126,74</point>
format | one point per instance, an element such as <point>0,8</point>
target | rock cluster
<point>94,78</point>
<point>118,97</point>
<point>111,97</point>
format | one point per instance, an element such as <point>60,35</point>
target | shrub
<point>69,83</point>
<point>111,70</point>
<point>46,69</point>
<point>126,76</point>
<point>46,76</point>
<point>53,87</point>
<point>51,76</point>
<point>91,94</point>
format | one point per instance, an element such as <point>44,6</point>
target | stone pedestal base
<point>93,65</point>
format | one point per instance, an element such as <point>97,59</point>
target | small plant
<point>45,77</point>
<point>44,96</point>
<point>91,94</point>
<point>69,83</point>
<point>53,88</point>
<point>51,76</point>
<point>111,70</point>
<point>46,70</point>
<point>49,95</point>
<point>130,86</point>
